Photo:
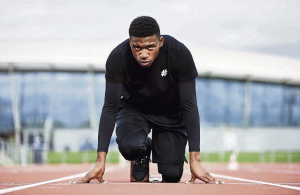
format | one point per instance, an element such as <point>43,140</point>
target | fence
<point>10,154</point>
<point>24,155</point>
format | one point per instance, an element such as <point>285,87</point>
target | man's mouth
<point>144,63</point>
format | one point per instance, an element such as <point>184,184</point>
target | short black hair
<point>144,26</point>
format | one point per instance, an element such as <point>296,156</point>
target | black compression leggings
<point>132,143</point>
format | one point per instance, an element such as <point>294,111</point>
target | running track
<point>54,179</point>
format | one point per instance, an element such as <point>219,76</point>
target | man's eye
<point>150,47</point>
<point>137,48</point>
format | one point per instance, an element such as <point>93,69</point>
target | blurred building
<point>65,81</point>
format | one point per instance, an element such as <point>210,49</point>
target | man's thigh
<point>132,131</point>
<point>130,121</point>
<point>168,146</point>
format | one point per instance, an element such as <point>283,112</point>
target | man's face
<point>145,49</point>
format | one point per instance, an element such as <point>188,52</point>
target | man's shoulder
<point>172,43</point>
<point>119,55</point>
<point>122,48</point>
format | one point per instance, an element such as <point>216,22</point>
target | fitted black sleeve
<point>188,100</point>
<point>108,115</point>
<point>186,69</point>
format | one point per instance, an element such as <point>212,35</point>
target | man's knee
<point>132,144</point>
<point>171,173</point>
<point>130,149</point>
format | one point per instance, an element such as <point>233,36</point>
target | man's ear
<point>161,41</point>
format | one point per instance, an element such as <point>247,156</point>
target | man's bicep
<point>187,92</point>
<point>186,69</point>
<point>114,69</point>
<point>112,93</point>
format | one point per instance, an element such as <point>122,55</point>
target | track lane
<point>119,181</point>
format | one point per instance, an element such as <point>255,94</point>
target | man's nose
<point>144,54</point>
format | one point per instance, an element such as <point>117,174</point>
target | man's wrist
<point>101,157</point>
<point>195,156</point>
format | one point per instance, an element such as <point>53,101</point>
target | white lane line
<point>277,171</point>
<point>40,183</point>
<point>293,184</point>
<point>253,181</point>
<point>183,183</point>
<point>109,169</point>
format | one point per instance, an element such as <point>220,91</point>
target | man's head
<point>144,26</point>
<point>145,40</point>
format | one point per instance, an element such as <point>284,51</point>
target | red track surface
<point>118,178</point>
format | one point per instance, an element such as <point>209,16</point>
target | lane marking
<point>277,171</point>
<point>183,183</point>
<point>253,181</point>
<point>292,184</point>
<point>109,169</point>
<point>41,183</point>
<point>147,183</point>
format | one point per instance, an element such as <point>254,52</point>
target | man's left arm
<point>188,100</point>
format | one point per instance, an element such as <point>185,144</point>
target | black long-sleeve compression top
<point>110,110</point>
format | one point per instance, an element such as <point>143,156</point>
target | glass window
<point>69,100</point>
<point>65,98</point>
<point>6,115</point>
<point>291,106</point>
<point>258,114</point>
<point>220,101</point>
<point>235,102</point>
<point>99,92</point>
<point>203,97</point>
<point>273,99</point>
<point>35,104</point>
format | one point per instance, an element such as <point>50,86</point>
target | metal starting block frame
<point>155,178</point>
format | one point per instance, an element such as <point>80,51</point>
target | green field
<point>113,157</point>
<point>79,157</point>
<point>252,157</point>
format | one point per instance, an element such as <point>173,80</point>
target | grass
<point>113,157</point>
<point>79,157</point>
<point>253,157</point>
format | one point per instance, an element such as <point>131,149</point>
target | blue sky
<point>269,26</point>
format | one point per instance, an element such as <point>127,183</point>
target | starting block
<point>155,178</point>
<point>148,178</point>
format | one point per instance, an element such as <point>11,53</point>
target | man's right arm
<point>109,114</point>
<point>106,127</point>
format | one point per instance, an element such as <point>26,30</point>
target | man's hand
<point>199,172</point>
<point>97,171</point>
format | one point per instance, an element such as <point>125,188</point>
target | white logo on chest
<point>164,73</point>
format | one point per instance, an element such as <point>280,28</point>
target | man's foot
<point>140,168</point>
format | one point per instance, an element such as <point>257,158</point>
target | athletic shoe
<point>140,168</point>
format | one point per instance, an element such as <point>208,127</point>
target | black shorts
<point>168,140</point>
